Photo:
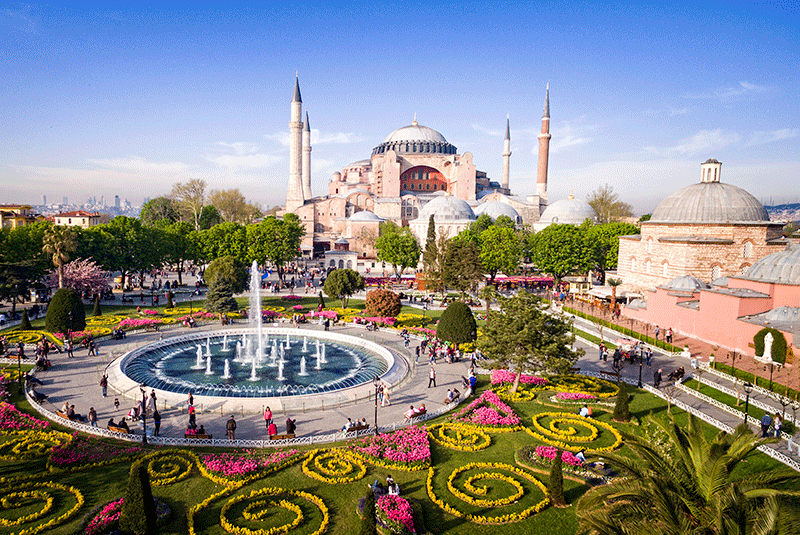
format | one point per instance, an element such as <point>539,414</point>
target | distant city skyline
<point>128,101</point>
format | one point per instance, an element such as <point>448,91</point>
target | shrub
<point>778,344</point>
<point>556,487</point>
<point>170,302</point>
<point>622,412</point>
<point>230,269</point>
<point>368,520</point>
<point>321,300</point>
<point>457,324</point>
<point>138,510</point>
<point>96,310</point>
<point>25,324</point>
<point>220,297</point>
<point>65,313</point>
<point>382,302</point>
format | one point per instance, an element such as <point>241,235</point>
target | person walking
<point>657,331</point>
<point>267,417</point>
<point>602,350</point>
<point>657,378</point>
<point>777,421</point>
<point>417,351</point>
<point>156,422</point>
<point>192,417</point>
<point>385,402</point>
<point>69,348</point>
<point>92,417</point>
<point>230,428</point>
<point>648,355</point>
<point>432,378</point>
<point>766,421</point>
<point>104,384</point>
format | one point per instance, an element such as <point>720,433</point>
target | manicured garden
<point>484,466</point>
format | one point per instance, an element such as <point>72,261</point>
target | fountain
<point>287,341</point>
<point>303,372</point>
<point>208,346</point>
<point>199,364</point>
<point>227,373</point>
<point>225,343</point>
<point>280,376</point>
<point>208,366</point>
<point>319,362</point>
<point>305,344</point>
<point>273,356</point>
<point>323,359</point>
<point>253,375</point>
<point>238,350</point>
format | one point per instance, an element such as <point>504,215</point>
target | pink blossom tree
<point>82,276</point>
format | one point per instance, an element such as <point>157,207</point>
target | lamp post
<point>376,382</point>
<point>747,389</point>
<point>19,371</point>
<point>639,384</point>
<point>144,413</point>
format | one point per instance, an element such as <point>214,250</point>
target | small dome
<point>364,215</point>
<point>495,209</point>
<point>782,267</point>
<point>783,315</point>
<point>686,283</point>
<point>569,211</point>
<point>709,202</point>
<point>341,241</point>
<point>359,163</point>
<point>447,208</point>
<point>722,281</point>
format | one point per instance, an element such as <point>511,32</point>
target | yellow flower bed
<point>179,311</point>
<point>459,437</point>
<point>168,466</point>
<point>482,490</point>
<point>333,466</point>
<point>24,493</point>
<point>29,444</point>
<point>582,384</point>
<point>569,438</point>
<point>260,506</point>
<point>524,392</point>
<point>104,321</point>
<point>30,337</point>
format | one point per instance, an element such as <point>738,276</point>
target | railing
<point>754,402</point>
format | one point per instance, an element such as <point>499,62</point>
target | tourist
<point>192,417</point>
<point>449,397</point>
<point>230,428</point>
<point>111,423</point>
<point>766,421</point>
<point>410,413</point>
<point>37,396</point>
<point>151,402</point>
<point>291,425</point>
<point>347,425</point>
<point>123,425</point>
<point>581,456</point>
<point>92,417</point>
<point>267,417</point>
<point>656,332</point>
<point>116,403</point>
<point>777,421</point>
<point>201,430</point>
<point>602,350</point>
<point>584,412</point>
<point>648,355</point>
<point>386,401</point>
<point>272,429</point>
<point>657,378</point>
<point>669,335</point>
<point>69,348</point>
<point>156,422</point>
<point>432,377</point>
<point>72,415</point>
<point>104,384</point>
<point>473,381</point>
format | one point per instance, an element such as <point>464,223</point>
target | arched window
<point>349,264</point>
<point>744,268</point>
<point>664,268</point>
<point>333,263</point>
<point>341,264</point>
<point>716,272</point>
<point>633,264</point>
<point>647,266</point>
<point>649,245</point>
<point>747,250</point>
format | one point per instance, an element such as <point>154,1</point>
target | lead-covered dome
<point>495,209</point>
<point>569,211</point>
<point>447,208</point>
<point>415,138</point>
<point>364,215</point>
<point>709,202</point>
<point>686,283</point>
<point>782,267</point>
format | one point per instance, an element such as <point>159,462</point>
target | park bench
<point>358,428</point>
<point>281,437</point>
<point>118,429</point>
<point>197,436</point>
<point>62,414</point>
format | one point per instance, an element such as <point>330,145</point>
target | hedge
<point>624,330</point>
<point>778,344</point>
<point>756,380</point>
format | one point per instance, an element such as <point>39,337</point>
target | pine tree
<point>556,487</point>
<point>65,313</point>
<point>139,509</point>
<point>457,324</point>
<point>220,297</point>
<point>368,520</point>
<point>25,324</point>
<point>96,310</point>
<point>321,299</point>
<point>170,302</point>
<point>622,412</point>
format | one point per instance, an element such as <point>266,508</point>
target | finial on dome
<point>571,196</point>
<point>415,123</point>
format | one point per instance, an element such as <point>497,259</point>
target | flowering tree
<point>81,276</point>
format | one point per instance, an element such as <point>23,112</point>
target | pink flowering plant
<point>575,396</point>
<point>82,450</point>
<point>548,454</point>
<point>395,513</point>
<point>149,312</point>
<point>387,321</point>
<point>488,410</point>
<point>408,448</point>
<point>297,308</point>
<point>237,465</point>
<point>106,519</point>
<point>12,418</point>
<point>506,376</point>
<point>138,323</point>
<point>330,314</point>
<point>291,297</point>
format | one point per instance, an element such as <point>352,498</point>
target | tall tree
<point>461,266</point>
<point>60,242</point>
<point>342,283</point>
<point>180,247</point>
<point>190,198</point>
<point>225,239</point>
<point>82,275</point>
<point>560,250</point>
<point>500,251</point>
<point>399,248</point>
<point>232,206</point>
<point>523,338</point>
<point>159,209</point>
<point>607,205</point>
<point>604,241</point>
<point>209,217</point>
<point>229,269</point>
<point>126,245</point>
<point>275,240</point>
<point>691,484</point>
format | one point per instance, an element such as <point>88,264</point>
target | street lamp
<point>747,389</point>
<point>376,382</point>
<point>20,354</point>
<point>639,384</point>
<point>144,413</point>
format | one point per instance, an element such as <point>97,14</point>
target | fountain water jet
<point>227,373</point>
<point>303,372</point>
<point>305,344</point>
<point>225,343</point>
<point>199,364</point>
<point>280,376</point>
<point>208,346</point>
<point>208,366</point>
<point>253,375</point>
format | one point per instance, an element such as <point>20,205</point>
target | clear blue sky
<point>100,101</point>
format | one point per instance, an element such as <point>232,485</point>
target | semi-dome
<point>686,283</point>
<point>495,209</point>
<point>569,211</point>
<point>447,208</point>
<point>709,202</point>
<point>415,138</point>
<point>782,267</point>
<point>364,215</point>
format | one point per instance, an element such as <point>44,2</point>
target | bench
<point>62,414</point>
<point>197,436</point>
<point>358,428</point>
<point>281,437</point>
<point>447,402</point>
<point>118,429</point>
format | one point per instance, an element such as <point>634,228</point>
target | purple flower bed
<point>489,410</point>
<point>11,418</point>
<point>87,450</point>
<point>291,297</point>
<point>575,396</point>
<point>233,464</point>
<point>548,454</point>
<point>396,514</point>
<point>409,446</point>
<point>505,376</point>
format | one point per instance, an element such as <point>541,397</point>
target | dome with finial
<point>569,211</point>
<point>415,138</point>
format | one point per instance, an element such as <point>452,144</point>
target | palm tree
<point>692,485</point>
<point>488,293</point>
<point>60,242</point>
<point>614,283</point>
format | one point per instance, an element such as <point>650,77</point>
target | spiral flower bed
<point>29,444</point>
<point>237,466</point>
<point>104,321</point>
<point>572,432</point>
<point>254,514</point>
<point>333,466</point>
<point>459,437</point>
<point>489,411</point>
<point>168,466</point>
<point>513,492</point>
<point>585,385</point>
<point>405,449</point>
<point>524,392</point>
<point>34,507</point>
<point>82,452</point>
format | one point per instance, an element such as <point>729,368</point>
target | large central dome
<point>415,138</point>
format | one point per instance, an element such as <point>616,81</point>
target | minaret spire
<point>544,152</point>
<point>297,97</point>
<point>506,154</point>
<point>306,173</point>
<point>294,193</point>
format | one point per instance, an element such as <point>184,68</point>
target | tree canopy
<point>342,283</point>
<point>230,270</point>
<point>161,210</point>
<point>560,250</point>
<point>607,205</point>
<point>232,206</point>
<point>461,267</point>
<point>604,242</point>
<point>398,247</point>
<point>275,240</point>
<point>500,251</point>
<point>190,197</point>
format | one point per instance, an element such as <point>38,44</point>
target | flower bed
<point>459,437</point>
<point>562,431</point>
<point>82,451</point>
<point>238,465</point>
<point>506,376</point>
<point>584,384</point>
<point>333,466</point>
<point>405,449</point>
<point>395,514</point>
<point>258,511</point>
<point>107,520</point>
<point>575,396</point>
<point>29,444</point>
<point>291,297</point>
<point>548,454</point>
<point>488,410</point>
<point>12,418</point>
<point>52,497</point>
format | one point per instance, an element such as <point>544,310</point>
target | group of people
<point>351,425</point>
<point>391,488</point>
<point>412,412</point>
<point>667,334</point>
<point>771,425</point>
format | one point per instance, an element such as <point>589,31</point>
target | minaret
<point>544,150</point>
<point>506,153</point>
<point>294,195</point>
<point>307,159</point>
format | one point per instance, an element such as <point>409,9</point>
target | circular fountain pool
<point>233,363</point>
